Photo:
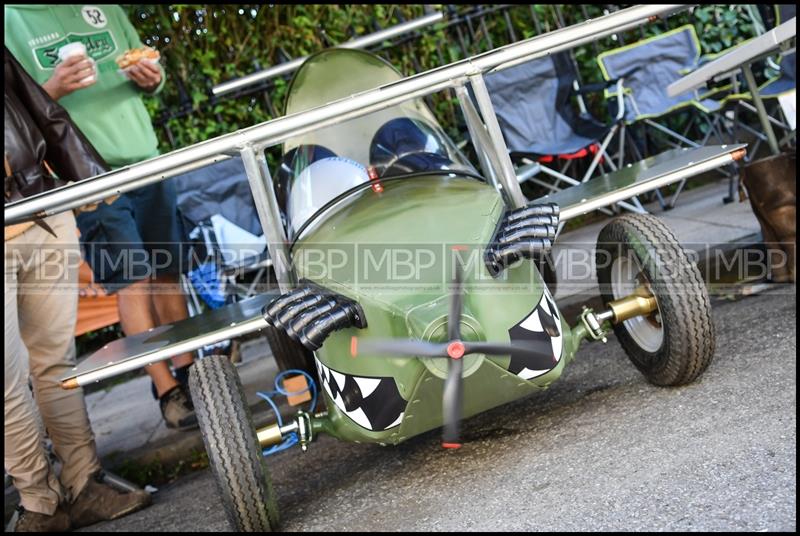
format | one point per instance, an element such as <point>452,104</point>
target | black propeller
<point>455,349</point>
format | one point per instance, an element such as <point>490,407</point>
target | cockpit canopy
<point>318,166</point>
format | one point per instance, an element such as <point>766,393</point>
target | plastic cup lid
<point>71,49</point>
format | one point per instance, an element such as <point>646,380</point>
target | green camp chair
<point>646,68</point>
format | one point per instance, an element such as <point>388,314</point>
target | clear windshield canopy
<point>401,140</point>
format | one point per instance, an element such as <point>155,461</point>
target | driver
<point>405,145</point>
<point>311,176</point>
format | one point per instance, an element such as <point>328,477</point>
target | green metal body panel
<point>391,250</point>
<point>354,247</point>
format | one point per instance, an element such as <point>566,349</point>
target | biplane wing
<point>165,341</point>
<point>643,176</point>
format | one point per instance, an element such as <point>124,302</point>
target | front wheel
<point>675,343</point>
<point>233,450</point>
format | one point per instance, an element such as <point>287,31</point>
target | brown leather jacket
<point>37,128</point>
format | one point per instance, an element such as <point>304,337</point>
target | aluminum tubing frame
<point>255,166</point>
<point>272,132</point>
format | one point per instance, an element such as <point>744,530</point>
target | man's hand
<point>70,75</point>
<point>146,75</point>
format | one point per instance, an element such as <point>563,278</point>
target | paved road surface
<point>601,450</point>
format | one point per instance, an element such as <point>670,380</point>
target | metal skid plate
<point>643,176</point>
<point>165,341</point>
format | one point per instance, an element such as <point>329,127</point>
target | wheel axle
<point>640,303</point>
<point>302,425</point>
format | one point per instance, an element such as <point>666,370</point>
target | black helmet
<point>401,137</point>
<point>416,162</point>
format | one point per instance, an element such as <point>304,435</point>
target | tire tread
<point>230,439</point>
<point>685,306</point>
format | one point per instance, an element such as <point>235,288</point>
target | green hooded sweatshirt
<point>110,112</point>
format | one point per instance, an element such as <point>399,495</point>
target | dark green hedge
<point>203,45</point>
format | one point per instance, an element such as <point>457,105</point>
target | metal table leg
<point>762,112</point>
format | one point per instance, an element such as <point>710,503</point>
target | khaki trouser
<point>41,304</point>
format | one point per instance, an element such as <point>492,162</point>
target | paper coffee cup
<point>71,49</point>
<point>93,76</point>
<point>78,49</point>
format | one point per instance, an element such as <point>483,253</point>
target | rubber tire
<point>234,453</point>
<point>289,354</point>
<point>688,346</point>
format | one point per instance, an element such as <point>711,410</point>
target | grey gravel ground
<point>601,450</point>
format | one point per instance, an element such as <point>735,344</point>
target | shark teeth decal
<point>541,332</point>
<point>372,403</point>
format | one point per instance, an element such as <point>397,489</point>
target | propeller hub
<point>456,350</point>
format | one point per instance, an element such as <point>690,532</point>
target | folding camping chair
<point>645,69</point>
<point>230,247</point>
<point>535,114</point>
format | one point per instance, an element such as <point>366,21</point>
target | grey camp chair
<point>787,65</point>
<point>646,68</point>
<point>218,197</point>
<point>532,102</point>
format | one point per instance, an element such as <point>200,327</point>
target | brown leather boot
<point>35,522</point>
<point>772,185</point>
<point>100,502</point>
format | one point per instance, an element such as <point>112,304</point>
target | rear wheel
<point>233,450</point>
<point>675,343</point>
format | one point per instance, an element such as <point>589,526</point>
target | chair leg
<point>621,155</point>
<point>671,133</point>
<point>751,108</point>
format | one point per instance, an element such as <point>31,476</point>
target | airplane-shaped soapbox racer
<point>409,288</point>
<point>471,325</point>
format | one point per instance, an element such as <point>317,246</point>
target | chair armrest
<point>619,92</point>
<point>588,89</point>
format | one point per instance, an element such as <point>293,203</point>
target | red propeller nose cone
<point>456,349</point>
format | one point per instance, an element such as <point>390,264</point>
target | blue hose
<point>292,438</point>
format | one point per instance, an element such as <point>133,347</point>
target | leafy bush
<point>203,45</point>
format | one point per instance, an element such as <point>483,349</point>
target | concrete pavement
<point>600,450</point>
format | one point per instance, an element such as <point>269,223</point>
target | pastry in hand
<point>135,55</point>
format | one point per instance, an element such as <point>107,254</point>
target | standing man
<point>134,244</point>
<point>41,298</point>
